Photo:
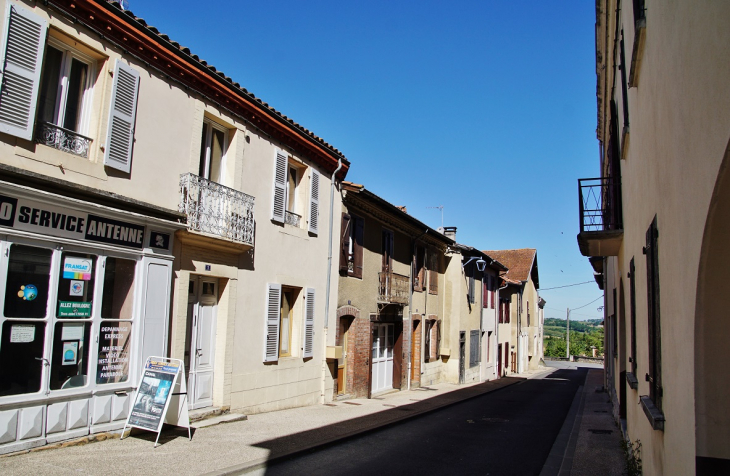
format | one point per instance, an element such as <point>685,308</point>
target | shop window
<point>115,332</point>
<point>30,313</point>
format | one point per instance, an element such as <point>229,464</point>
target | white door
<point>382,355</point>
<point>202,307</point>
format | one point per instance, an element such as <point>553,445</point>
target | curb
<point>262,463</point>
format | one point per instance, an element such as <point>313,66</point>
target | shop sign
<point>74,309</point>
<point>38,217</point>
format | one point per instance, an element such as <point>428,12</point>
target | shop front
<point>85,293</point>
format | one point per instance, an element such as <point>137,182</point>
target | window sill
<point>655,416</point>
<point>632,380</point>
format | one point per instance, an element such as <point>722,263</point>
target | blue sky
<point>485,107</point>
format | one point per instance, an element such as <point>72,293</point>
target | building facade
<point>127,235</point>
<point>656,229</point>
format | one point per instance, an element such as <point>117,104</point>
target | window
<point>213,144</point>
<point>433,340</point>
<point>65,87</point>
<point>282,326</point>
<point>470,274</point>
<point>285,205</point>
<point>654,376</point>
<point>632,300</point>
<point>433,274</point>
<point>528,313</point>
<point>473,348</point>
<point>489,346</point>
<point>624,86</point>
<point>351,246</point>
<point>55,329</point>
<point>485,292</point>
<point>288,298</point>
<point>419,278</point>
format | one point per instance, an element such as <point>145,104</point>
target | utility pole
<point>567,335</point>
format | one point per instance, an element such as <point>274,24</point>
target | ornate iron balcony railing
<point>62,139</point>
<point>393,288</point>
<point>600,204</point>
<point>216,209</point>
<point>291,218</point>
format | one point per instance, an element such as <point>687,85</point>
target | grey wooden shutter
<point>273,315</point>
<point>122,113</point>
<point>308,344</point>
<point>359,236</point>
<point>25,41</point>
<point>314,203</point>
<point>279,199</point>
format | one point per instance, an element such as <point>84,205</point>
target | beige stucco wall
<point>679,129</point>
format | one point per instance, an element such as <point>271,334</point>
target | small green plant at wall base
<point>632,452</point>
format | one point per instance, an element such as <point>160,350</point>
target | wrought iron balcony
<point>62,139</point>
<point>601,224</point>
<point>291,218</point>
<point>217,210</point>
<point>394,288</point>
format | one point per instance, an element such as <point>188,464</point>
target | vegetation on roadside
<point>584,335</point>
<point>632,452</point>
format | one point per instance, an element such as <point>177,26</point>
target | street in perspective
<point>338,238</point>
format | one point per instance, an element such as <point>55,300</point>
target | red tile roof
<point>521,263</point>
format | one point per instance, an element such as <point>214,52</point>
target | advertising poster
<point>154,392</point>
<point>70,353</point>
<point>74,309</point>
<point>113,358</point>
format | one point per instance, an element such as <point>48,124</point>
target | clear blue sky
<point>485,107</point>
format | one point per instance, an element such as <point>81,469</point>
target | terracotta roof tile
<point>519,262</point>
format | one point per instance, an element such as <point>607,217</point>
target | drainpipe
<point>329,273</point>
<point>410,306</point>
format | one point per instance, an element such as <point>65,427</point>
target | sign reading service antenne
<point>29,215</point>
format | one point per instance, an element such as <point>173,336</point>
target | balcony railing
<point>216,209</point>
<point>62,139</point>
<point>600,204</point>
<point>393,288</point>
<point>291,218</point>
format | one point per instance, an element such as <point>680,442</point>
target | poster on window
<point>77,268</point>
<point>113,359</point>
<point>153,395</point>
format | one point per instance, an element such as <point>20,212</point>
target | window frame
<point>51,318</point>
<point>205,164</point>
<point>69,53</point>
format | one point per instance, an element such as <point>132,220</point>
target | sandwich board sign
<point>161,397</point>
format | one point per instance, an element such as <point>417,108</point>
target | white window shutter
<point>279,201</point>
<point>308,344</point>
<point>314,203</point>
<point>25,40</point>
<point>122,113</point>
<point>273,314</point>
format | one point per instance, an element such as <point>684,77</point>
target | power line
<point>599,297</point>
<point>568,285</point>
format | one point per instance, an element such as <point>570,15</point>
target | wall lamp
<point>481,264</point>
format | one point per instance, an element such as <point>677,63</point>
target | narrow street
<point>510,431</point>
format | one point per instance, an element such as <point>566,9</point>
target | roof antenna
<point>440,207</point>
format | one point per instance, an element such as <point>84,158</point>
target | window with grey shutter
<point>473,348</point>
<point>122,114</point>
<point>22,58</point>
<point>273,315</point>
<point>314,203</point>
<point>278,201</point>
<point>308,344</point>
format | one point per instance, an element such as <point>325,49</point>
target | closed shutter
<point>493,281</point>
<point>485,294</point>
<point>22,59</point>
<point>437,347</point>
<point>273,314</point>
<point>279,198</point>
<point>122,113</point>
<point>359,236</point>
<point>308,345</point>
<point>345,243</point>
<point>314,203</point>
<point>473,348</point>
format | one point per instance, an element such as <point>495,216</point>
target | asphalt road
<point>509,431</point>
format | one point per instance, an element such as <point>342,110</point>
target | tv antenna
<point>440,207</point>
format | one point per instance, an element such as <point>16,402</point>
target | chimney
<point>450,232</point>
